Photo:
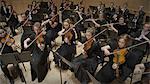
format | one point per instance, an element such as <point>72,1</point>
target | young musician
<point>68,48</point>
<point>88,60</point>
<point>4,9</point>
<point>52,28</point>
<point>121,63</point>
<point>107,73</point>
<point>12,20</point>
<point>121,27</point>
<point>7,44</point>
<point>39,65</point>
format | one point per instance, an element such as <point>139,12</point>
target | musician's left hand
<point>66,40</point>
<point>115,66</point>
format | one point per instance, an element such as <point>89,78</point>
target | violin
<point>119,56</point>
<point>88,45</point>
<point>68,35</point>
<point>8,40</point>
<point>40,39</point>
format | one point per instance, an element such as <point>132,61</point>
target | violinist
<point>88,60</point>
<point>52,29</point>
<point>39,65</point>
<point>7,46</point>
<point>68,47</point>
<point>121,26</point>
<point>117,61</point>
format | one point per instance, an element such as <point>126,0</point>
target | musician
<point>107,73</point>
<point>122,27</point>
<point>140,18</point>
<point>88,60</point>
<point>141,36</point>
<point>28,12</point>
<point>4,9</point>
<point>68,48</point>
<point>125,11</point>
<point>28,31</point>
<point>52,28</point>
<point>12,20</point>
<point>8,48</point>
<point>120,70</point>
<point>111,10</point>
<point>39,66</point>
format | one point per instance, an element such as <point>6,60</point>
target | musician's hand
<point>60,33</point>
<point>52,43</point>
<point>25,46</point>
<point>138,39</point>
<point>44,32</point>
<point>115,66</point>
<point>97,25</point>
<point>84,54</point>
<point>106,52</point>
<point>50,22</point>
<point>41,46</point>
<point>79,44</point>
<point>66,40</point>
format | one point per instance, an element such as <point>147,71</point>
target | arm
<point>106,50</point>
<point>25,42</point>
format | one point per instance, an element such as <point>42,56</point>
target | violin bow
<point>45,28</point>
<point>133,46</point>
<point>94,36</point>
<point>74,24</point>
<point>4,44</point>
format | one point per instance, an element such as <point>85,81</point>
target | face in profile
<point>88,35</point>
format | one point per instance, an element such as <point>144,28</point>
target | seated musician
<point>7,46</point>
<point>121,63</point>
<point>88,60</point>
<point>68,48</point>
<point>39,65</point>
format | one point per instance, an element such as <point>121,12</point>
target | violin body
<point>119,56</point>
<point>40,39</point>
<point>9,41</point>
<point>88,45</point>
<point>69,36</point>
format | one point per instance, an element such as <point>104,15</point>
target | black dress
<point>51,34</point>
<point>90,63</point>
<point>39,65</point>
<point>67,51</point>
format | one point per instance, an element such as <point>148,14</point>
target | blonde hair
<point>91,30</point>
<point>126,38</point>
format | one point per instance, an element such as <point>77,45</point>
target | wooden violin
<point>88,45</point>
<point>119,56</point>
<point>9,40</point>
<point>40,39</point>
<point>69,36</point>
